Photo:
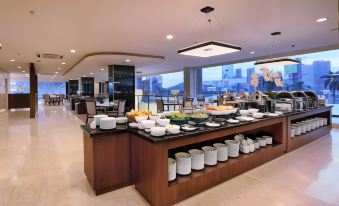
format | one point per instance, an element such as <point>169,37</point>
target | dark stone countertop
<point>183,134</point>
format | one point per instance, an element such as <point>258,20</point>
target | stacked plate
<point>184,162</point>
<point>172,167</point>
<point>210,155</point>
<point>98,117</point>
<point>197,159</point>
<point>107,123</point>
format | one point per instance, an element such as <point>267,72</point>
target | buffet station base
<point>125,156</point>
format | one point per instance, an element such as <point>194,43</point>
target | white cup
<point>222,151</point>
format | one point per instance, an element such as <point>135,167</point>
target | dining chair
<point>61,98</point>
<point>201,101</point>
<point>160,105</point>
<point>47,99</point>
<point>91,110</point>
<point>120,112</point>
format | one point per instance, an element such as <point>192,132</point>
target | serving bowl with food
<point>220,110</point>
<point>199,117</point>
<point>178,118</point>
<point>138,115</point>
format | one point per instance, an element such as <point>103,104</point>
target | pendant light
<point>208,48</point>
<point>276,61</point>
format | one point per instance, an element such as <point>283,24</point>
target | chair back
<point>61,98</point>
<point>201,101</point>
<point>160,105</point>
<point>47,98</point>
<point>121,107</point>
<point>91,107</point>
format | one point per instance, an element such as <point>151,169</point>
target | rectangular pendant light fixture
<point>209,49</point>
<point>276,62</point>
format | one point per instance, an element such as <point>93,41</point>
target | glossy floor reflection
<point>41,164</point>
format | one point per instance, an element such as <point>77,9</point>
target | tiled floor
<point>41,163</point>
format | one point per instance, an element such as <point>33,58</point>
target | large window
<point>161,84</point>
<point>318,72</point>
<point>51,88</point>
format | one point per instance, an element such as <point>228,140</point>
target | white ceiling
<point>141,27</point>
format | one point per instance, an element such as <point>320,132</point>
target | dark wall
<point>87,86</point>
<point>122,84</point>
<point>73,87</point>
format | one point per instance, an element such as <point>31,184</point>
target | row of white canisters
<point>307,125</point>
<point>196,159</point>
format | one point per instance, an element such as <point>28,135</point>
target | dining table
<point>106,105</point>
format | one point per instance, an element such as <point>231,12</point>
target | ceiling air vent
<point>49,56</point>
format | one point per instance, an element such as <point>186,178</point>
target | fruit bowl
<point>199,117</point>
<point>178,118</point>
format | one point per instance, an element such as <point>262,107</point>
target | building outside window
<point>311,74</point>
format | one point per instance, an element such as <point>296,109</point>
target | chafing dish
<point>301,100</point>
<point>259,97</point>
<point>313,101</point>
<point>285,102</point>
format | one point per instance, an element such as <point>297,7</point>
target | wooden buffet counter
<point>123,156</point>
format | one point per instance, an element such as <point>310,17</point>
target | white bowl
<point>163,122</point>
<point>154,116</point>
<point>173,129</point>
<point>158,131</point>
<point>253,110</point>
<point>184,163</point>
<point>133,125</point>
<point>140,126</point>
<point>233,148</point>
<point>222,151</point>
<point>210,155</point>
<point>244,112</point>
<point>197,159</point>
<point>148,123</point>
<point>258,115</point>
<point>121,120</point>
<point>107,123</point>
<point>140,118</point>
<point>98,117</point>
<point>172,169</point>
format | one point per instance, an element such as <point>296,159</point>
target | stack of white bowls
<point>233,148</point>
<point>222,151</point>
<point>262,141</point>
<point>210,155</point>
<point>244,147</point>
<point>269,139</point>
<point>172,167</point>
<point>107,123</point>
<point>197,159</point>
<point>184,162</point>
<point>302,127</point>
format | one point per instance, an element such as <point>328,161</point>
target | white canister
<point>307,125</point>
<point>269,139</point>
<point>262,141</point>
<point>184,162</point>
<point>317,125</point>
<point>245,148</point>
<point>197,159</point>
<point>303,127</point>
<point>256,144</point>
<point>292,132</point>
<point>211,155</point>
<point>312,124</point>
<point>222,151</point>
<point>252,148</point>
<point>297,129</point>
<point>233,148</point>
<point>325,121</point>
<point>172,168</point>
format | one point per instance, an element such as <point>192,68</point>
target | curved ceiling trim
<point>113,54</point>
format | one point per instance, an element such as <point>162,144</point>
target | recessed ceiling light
<point>83,76</point>
<point>27,74</point>
<point>70,79</point>
<point>72,51</point>
<point>91,73</point>
<point>128,60</point>
<point>56,72</point>
<point>23,71</point>
<point>322,19</point>
<point>19,67</point>
<point>252,52</point>
<point>12,60</point>
<point>59,68</point>
<point>63,63</point>
<point>169,36</point>
<point>54,75</point>
<point>102,69</point>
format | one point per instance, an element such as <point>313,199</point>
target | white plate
<point>233,121</point>
<point>247,119</point>
<point>271,115</point>
<point>212,124</point>
<point>189,128</point>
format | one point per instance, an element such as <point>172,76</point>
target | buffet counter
<point>125,156</point>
